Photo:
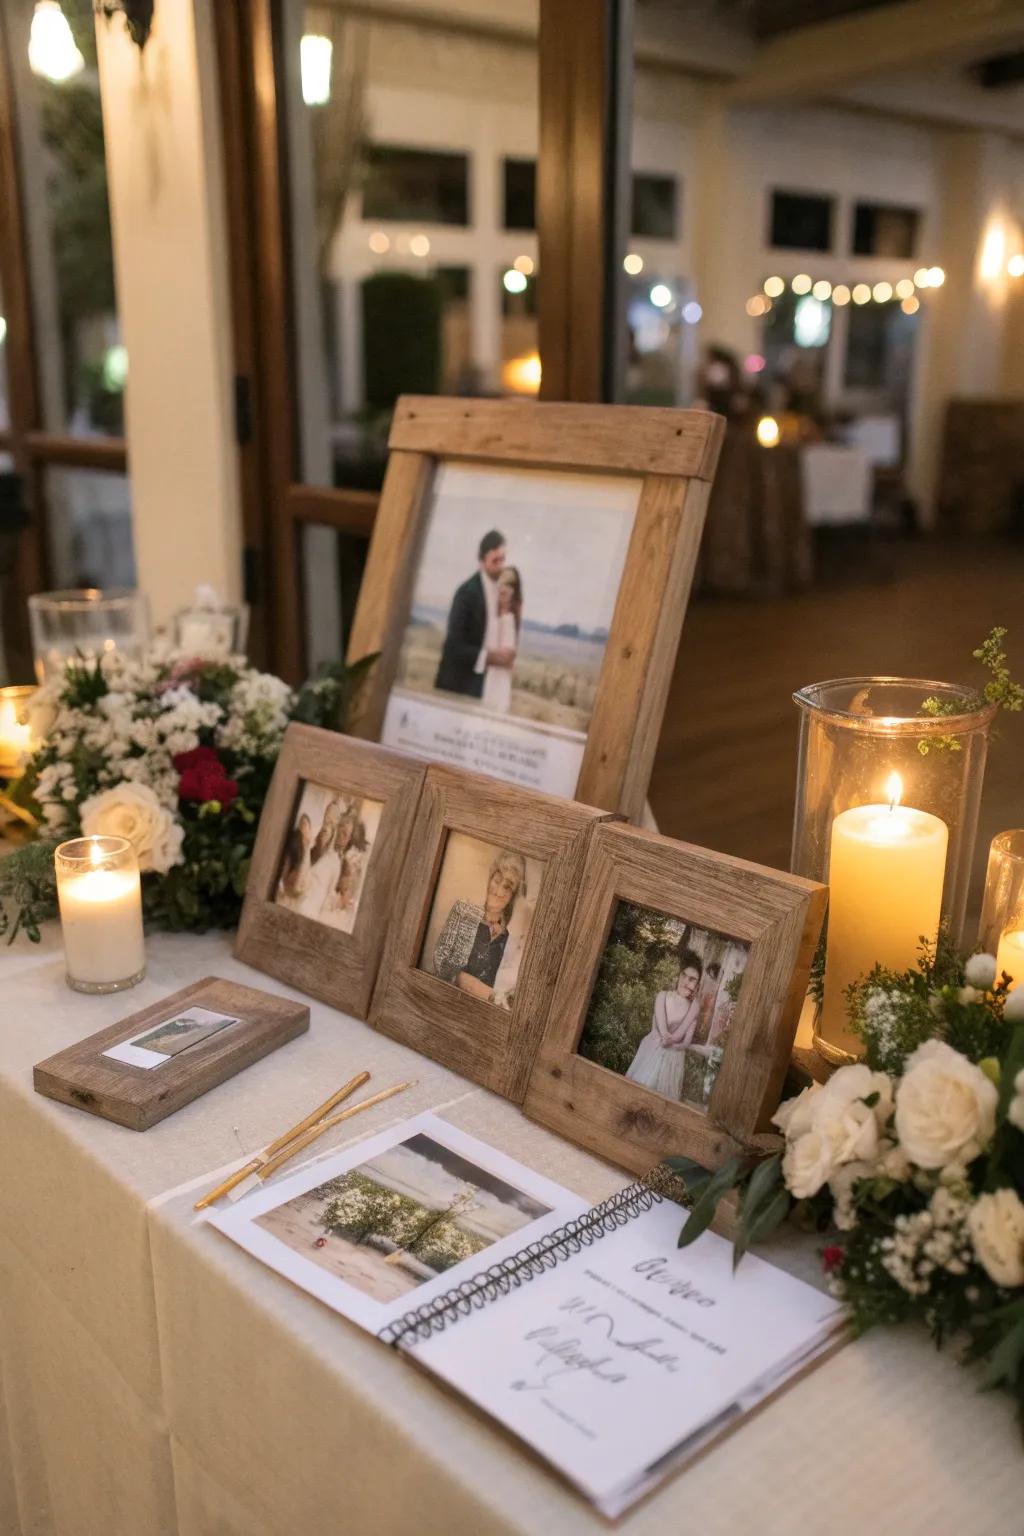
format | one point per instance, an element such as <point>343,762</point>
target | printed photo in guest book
<point>513,598</point>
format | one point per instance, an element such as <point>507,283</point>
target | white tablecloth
<point>837,483</point>
<point>157,1381</point>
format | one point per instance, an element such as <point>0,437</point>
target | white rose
<point>1015,1112</point>
<point>793,1118</point>
<point>980,971</point>
<point>809,1162</point>
<point>996,1225</point>
<point>945,1107</point>
<point>844,1212</point>
<point>134,812</point>
<point>1013,1008</point>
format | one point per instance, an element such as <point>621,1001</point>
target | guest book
<point>587,1333</point>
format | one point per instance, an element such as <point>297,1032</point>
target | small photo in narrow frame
<point>326,854</point>
<point>662,1003</point>
<point>480,917</point>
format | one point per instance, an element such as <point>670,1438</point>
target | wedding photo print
<point>513,597</point>
<point>326,854</point>
<point>402,1218</point>
<point>663,1001</point>
<point>480,918</point>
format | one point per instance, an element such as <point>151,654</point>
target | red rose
<point>203,778</point>
<point>831,1258</point>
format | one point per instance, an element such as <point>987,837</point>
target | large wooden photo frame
<point>666,460</point>
<point>466,827</point>
<point>328,942</point>
<point>762,927</point>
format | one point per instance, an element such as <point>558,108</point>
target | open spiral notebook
<point>585,1332</point>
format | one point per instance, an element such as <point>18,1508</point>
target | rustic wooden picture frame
<point>84,1077</point>
<point>478,1039</point>
<point>778,915</point>
<point>338,968</point>
<point>674,453</point>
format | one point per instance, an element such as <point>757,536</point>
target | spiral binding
<point>535,1259</point>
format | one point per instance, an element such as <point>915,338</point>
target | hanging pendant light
<point>52,50</point>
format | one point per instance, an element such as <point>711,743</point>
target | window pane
<point>520,178</point>
<point>83,365</point>
<point>880,350</point>
<point>654,206</point>
<point>879,230</point>
<point>800,222</point>
<point>417,184</point>
<point>89,522</point>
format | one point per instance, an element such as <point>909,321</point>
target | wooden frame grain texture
<point>338,968</point>
<point>778,914</point>
<point>491,1045</point>
<point>673,453</point>
<point>136,1098</point>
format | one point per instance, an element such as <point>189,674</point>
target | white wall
<point>165,176</point>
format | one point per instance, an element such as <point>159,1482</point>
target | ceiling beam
<point>913,34</point>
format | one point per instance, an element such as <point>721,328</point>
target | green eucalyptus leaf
<point>770,1213</point>
<point>720,1183</point>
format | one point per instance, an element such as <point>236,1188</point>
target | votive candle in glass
<point>100,898</point>
<point>17,739</point>
<point>1002,915</point>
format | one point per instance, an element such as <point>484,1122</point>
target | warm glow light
<point>801,283</point>
<point>633,264</point>
<point>3,330</point>
<point>921,278</point>
<point>911,306</point>
<point>753,362</point>
<point>315,68</point>
<point>692,312</point>
<point>52,50</point>
<point>515,282</point>
<point>893,790</point>
<point>758,305</point>
<point>379,242</point>
<point>419,245</point>
<point>1015,265</point>
<point>861,293</point>
<point>840,294</point>
<point>661,295</point>
<point>524,264</point>
<point>768,432</point>
<point>993,254</point>
<point>822,289</point>
<point>882,293</point>
<point>905,288</point>
<point>936,277</point>
<point>773,286</point>
<point>521,375</point>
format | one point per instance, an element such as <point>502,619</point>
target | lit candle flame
<point>894,790</point>
<point>95,855</point>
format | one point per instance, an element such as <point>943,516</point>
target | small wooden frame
<point>337,966</point>
<point>672,453</point>
<point>491,1044</point>
<point>769,918</point>
<point>138,1096</point>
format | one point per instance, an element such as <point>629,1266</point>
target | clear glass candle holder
<point>1002,916</point>
<point>906,861</point>
<point>100,897</point>
<point>86,623</point>
<point>17,737</point>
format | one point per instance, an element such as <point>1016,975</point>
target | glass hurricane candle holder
<point>100,897</point>
<point>211,629</point>
<point>17,737</point>
<point>886,815</point>
<point>1002,915</point>
<point>86,623</point>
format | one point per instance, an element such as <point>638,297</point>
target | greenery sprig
<point>1001,690</point>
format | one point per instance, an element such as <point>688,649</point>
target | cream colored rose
<point>809,1162</point>
<point>134,812</point>
<point>945,1107</point>
<point>996,1226</point>
<point>794,1117</point>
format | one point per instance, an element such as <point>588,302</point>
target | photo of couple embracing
<point>481,642</point>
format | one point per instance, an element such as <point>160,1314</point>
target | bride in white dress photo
<point>660,1059</point>
<point>506,622</point>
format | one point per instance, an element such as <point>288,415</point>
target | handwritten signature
<point>561,1353</point>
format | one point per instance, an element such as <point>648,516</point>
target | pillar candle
<point>1010,957</point>
<point>101,922</point>
<point>886,874</point>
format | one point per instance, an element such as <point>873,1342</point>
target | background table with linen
<point>157,1381</point>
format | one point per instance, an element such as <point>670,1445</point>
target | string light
<point>801,283</point>
<point>921,278</point>
<point>1015,265</point>
<point>758,305</point>
<point>905,288</point>
<point>768,432</point>
<point>52,50</point>
<point>773,286</point>
<point>661,295</point>
<point>840,294</point>
<point>633,263</point>
<point>822,289</point>
<point>861,293</point>
<point>882,293</point>
<point>936,277</point>
<point>419,245</point>
<point>692,312</point>
<point>524,264</point>
<point>911,305</point>
<point>379,243</point>
<point>514,281</point>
